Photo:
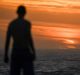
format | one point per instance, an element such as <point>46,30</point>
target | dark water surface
<point>66,63</point>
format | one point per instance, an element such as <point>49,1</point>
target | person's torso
<point>20,33</point>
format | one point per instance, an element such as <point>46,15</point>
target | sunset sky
<point>55,23</point>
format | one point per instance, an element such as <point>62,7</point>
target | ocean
<point>62,62</point>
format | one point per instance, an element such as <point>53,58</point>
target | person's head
<point>21,11</point>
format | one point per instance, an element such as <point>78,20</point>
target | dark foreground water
<point>65,63</point>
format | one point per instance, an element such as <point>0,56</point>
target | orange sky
<point>55,22</point>
<point>55,3</point>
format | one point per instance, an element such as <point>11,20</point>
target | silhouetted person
<point>23,52</point>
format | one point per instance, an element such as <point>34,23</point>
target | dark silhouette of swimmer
<point>23,52</point>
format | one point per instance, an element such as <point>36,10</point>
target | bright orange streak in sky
<point>68,41</point>
<point>54,32</point>
<point>64,35</point>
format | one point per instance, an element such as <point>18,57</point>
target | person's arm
<point>32,44</point>
<point>8,35</point>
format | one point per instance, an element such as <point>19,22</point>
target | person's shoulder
<point>13,22</point>
<point>28,22</point>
